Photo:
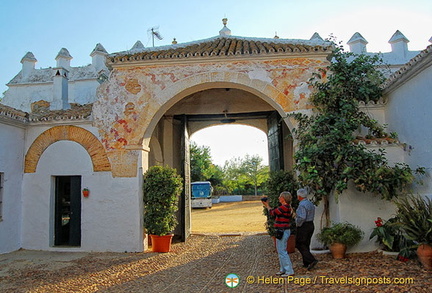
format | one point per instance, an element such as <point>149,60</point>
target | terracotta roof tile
<point>12,113</point>
<point>375,141</point>
<point>408,67</point>
<point>75,113</point>
<point>221,46</point>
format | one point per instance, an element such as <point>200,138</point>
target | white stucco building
<point>101,126</point>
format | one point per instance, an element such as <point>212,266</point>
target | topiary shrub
<point>161,190</point>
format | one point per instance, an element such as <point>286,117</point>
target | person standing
<point>283,215</point>
<point>305,214</point>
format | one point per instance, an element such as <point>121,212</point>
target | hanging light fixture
<point>226,119</point>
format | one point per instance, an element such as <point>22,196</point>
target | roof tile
<point>222,46</point>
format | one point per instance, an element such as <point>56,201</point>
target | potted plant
<point>85,192</point>
<point>415,217</point>
<point>390,236</point>
<point>161,189</point>
<point>339,237</point>
<point>280,181</point>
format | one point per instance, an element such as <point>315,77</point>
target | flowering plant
<point>389,235</point>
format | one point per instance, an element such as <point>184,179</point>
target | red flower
<point>402,258</point>
<point>379,222</point>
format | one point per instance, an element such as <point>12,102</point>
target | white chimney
<point>98,57</point>
<point>60,89</point>
<point>357,44</point>
<point>28,64</point>
<point>399,44</point>
<point>63,59</point>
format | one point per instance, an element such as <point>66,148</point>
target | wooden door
<point>67,216</point>
<point>185,201</point>
<point>275,142</point>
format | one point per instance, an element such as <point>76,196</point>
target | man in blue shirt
<point>305,228</point>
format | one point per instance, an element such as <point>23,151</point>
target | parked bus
<point>201,194</point>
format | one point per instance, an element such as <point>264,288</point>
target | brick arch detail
<point>79,135</point>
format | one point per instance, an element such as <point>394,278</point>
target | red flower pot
<point>424,253</point>
<point>161,243</point>
<point>290,244</point>
<point>85,192</point>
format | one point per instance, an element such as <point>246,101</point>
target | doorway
<point>67,216</point>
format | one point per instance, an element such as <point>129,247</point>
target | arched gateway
<point>99,128</point>
<point>155,98</point>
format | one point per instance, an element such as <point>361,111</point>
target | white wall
<point>11,165</point>
<point>358,208</point>
<point>82,92</point>
<point>409,114</point>
<point>22,96</point>
<point>110,217</point>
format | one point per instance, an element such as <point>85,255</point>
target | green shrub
<point>344,233</point>
<point>415,217</point>
<point>161,190</point>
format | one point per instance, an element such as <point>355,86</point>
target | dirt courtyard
<point>229,217</point>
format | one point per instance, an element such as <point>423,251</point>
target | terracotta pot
<point>424,253</point>
<point>290,244</point>
<point>161,243</point>
<point>338,250</point>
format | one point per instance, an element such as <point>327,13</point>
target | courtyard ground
<point>229,217</point>
<point>202,264</point>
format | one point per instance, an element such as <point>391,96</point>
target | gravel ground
<point>201,265</point>
<point>245,216</point>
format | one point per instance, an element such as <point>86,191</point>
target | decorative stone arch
<point>220,79</point>
<point>73,133</point>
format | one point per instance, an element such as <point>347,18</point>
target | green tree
<point>327,159</point>
<point>203,169</point>
<point>216,176</point>
<point>245,174</point>
<point>200,162</point>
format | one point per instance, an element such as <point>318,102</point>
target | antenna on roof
<point>155,33</point>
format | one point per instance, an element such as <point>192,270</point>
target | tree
<point>254,170</point>
<point>327,159</point>
<point>200,162</point>
<point>203,169</point>
<point>242,174</point>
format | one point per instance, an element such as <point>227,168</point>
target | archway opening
<point>238,172</point>
<point>170,138</point>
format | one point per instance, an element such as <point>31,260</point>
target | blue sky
<point>45,26</point>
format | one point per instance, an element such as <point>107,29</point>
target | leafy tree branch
<point>327,157</point>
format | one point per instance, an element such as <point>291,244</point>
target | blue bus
<point>201,194</point>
